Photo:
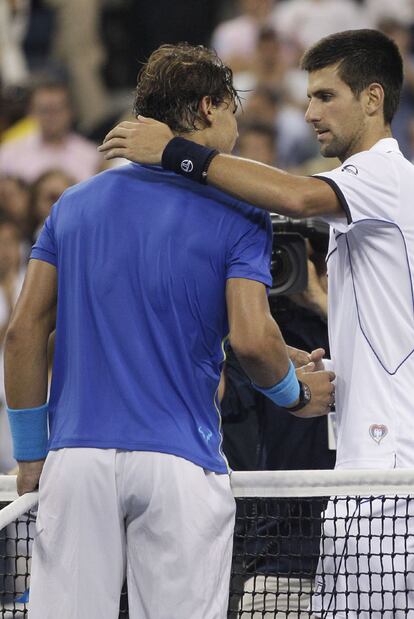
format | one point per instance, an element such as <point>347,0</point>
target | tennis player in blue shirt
<point>144,273</point>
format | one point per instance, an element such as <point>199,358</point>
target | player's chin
<point>328,150</point>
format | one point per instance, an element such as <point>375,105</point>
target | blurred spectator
<point>263,104</point>
<point>257,140</point>
<point>401,10</point>
<point>76,43</point>
<point>13,26</point>
<point>306,21</point>
<point>11,280</point>
<point>14,122</point>
<point>11,272</point>
<point>53,144</point>
<point>235,40</point>
<point>295,140</point>
<point>401,34</point>
<point>267,63</point>
<point>45,192</point>
<point>15,203</point>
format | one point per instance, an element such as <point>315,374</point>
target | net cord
<point>18,508</point>
<point>315,483</point>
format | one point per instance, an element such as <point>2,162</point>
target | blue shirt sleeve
<point>250,254</point>
<point>45,246</point>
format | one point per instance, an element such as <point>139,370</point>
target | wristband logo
<point>187,166</point>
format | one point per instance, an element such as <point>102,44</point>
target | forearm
<point>26,367</point>
<point>266,359</point>
<point>268,188</point>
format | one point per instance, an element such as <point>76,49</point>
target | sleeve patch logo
<point>349,168</point>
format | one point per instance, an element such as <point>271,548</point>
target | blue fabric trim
<point>29,432</point>
<point>285,392</point>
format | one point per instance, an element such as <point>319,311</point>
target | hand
<point>322,390</point>
<point>300,358</point>
<point>142,141</point>
<point>316,357</point>
<point>28,476</point>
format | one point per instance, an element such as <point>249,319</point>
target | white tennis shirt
<point>371,307</point>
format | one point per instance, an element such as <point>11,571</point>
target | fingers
<point>147,121</point>
<point>115,153</point>
<point>119,131</point>
<point>114,142</point>
<point>309,367</point>
<point>317,355</point>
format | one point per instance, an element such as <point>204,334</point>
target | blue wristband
<point>285,392</point>
<point>29,432</point>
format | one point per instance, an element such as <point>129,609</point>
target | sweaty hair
<point>174,80</point>
<point>364,57</point>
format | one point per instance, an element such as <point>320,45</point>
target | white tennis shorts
<point>160,520</point>
<point>366,565</point>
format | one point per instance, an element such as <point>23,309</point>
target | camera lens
<point>284,268</point>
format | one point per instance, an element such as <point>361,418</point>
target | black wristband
<point>188,159</point>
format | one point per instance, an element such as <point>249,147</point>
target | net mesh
<point>306,544</point>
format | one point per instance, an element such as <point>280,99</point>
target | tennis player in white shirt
<point>354,85</point>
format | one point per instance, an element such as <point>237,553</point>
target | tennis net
<point>307,544</point>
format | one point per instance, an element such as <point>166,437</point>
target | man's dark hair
<point>364,57</point>
<point>173,81</point>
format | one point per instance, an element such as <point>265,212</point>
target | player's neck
<point>199,137</point>
<point>368,140</point>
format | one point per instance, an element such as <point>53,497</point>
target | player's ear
<point>374,98</point>
<point>206,109</point>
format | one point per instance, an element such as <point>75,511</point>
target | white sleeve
<point>366,186</point>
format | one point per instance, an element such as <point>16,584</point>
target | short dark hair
<point>365,57</point>
<point>173,81</point>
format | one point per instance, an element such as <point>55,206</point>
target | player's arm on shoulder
<point>26,368</point>
<point>268,188</point>
<point>273,189</point>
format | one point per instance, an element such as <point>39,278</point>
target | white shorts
<point>162,521</point>
<point>366,560</point>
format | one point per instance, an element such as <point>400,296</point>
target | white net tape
<point>263,484</point>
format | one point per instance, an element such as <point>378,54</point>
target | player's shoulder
<point>377,166</point>
<point>383,158</point>
<point>95,182</point>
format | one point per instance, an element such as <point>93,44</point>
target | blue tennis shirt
<point>142,257</point>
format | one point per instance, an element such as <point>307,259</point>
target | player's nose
<point>312,115</point>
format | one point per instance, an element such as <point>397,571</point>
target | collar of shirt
<point>386,145</point>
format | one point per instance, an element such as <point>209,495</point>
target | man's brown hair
<point>174,80</point>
